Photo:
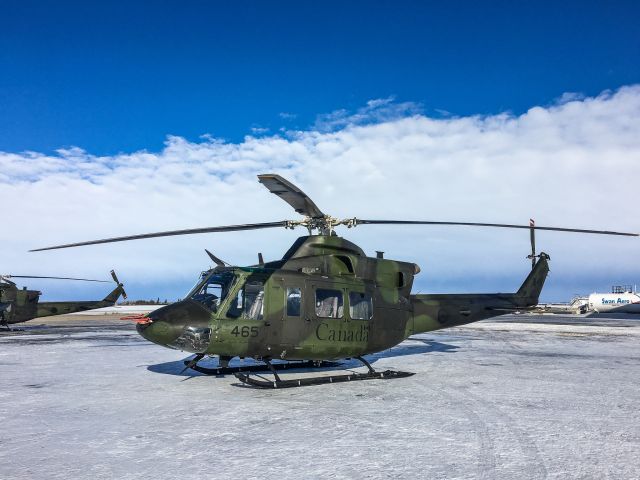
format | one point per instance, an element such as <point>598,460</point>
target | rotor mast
<point>325,225</point>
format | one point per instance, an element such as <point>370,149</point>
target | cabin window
<point>294,301</point>
<point>360,306</point>
<point>249,303</point>
<point>329,303</point>
<point>401,282</point>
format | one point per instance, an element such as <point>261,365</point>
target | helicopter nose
<point>182,325</point>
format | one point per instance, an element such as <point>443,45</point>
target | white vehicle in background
<point>622,299</point>
<point>578,305</point>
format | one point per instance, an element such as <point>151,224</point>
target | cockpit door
<point>286,297</point>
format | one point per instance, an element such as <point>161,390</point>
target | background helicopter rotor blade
<point>191,231</point>
<point>498,225</point>
<point>291,194</point>
<point>55,278</point>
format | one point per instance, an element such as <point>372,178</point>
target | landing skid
<point>253,368</point>
<point>303,382</point>
<point>4,323</point>
<point>6,328</point>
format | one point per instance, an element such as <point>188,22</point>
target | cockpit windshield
<point>213,290</point>
<point>198,284</point>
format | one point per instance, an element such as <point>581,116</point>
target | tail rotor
<point>532,236</point>
<point>121,285</point>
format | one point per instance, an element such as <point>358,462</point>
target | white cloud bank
<point>575,163</point>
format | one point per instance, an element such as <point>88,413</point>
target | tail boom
<point>46,309</point>
<point>436,311</point>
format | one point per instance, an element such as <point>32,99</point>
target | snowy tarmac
<point>86,397</point>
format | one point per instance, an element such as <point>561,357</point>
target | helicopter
<point>324,301</point>
<point>21,305</point>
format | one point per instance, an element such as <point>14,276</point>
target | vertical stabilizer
<point>529,292</point>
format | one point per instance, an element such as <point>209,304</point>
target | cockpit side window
<point>249,303</point>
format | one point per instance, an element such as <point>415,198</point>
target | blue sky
<point>120,76</point>
<point>129,117</point>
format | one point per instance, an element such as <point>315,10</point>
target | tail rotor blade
<point>532,232</point>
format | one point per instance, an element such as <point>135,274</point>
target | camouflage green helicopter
<point>20,305</point>
<point>324,300</point>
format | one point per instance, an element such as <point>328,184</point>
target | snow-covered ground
<point>120,309</point>
<point>487,401</point>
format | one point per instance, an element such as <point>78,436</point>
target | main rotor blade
<point>191,231</point>
<point>55,278</point>
<point>291,194</point>
<point>498,225</point>
<point>216,260</point>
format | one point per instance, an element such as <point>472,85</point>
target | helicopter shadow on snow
<point>414,346</point>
